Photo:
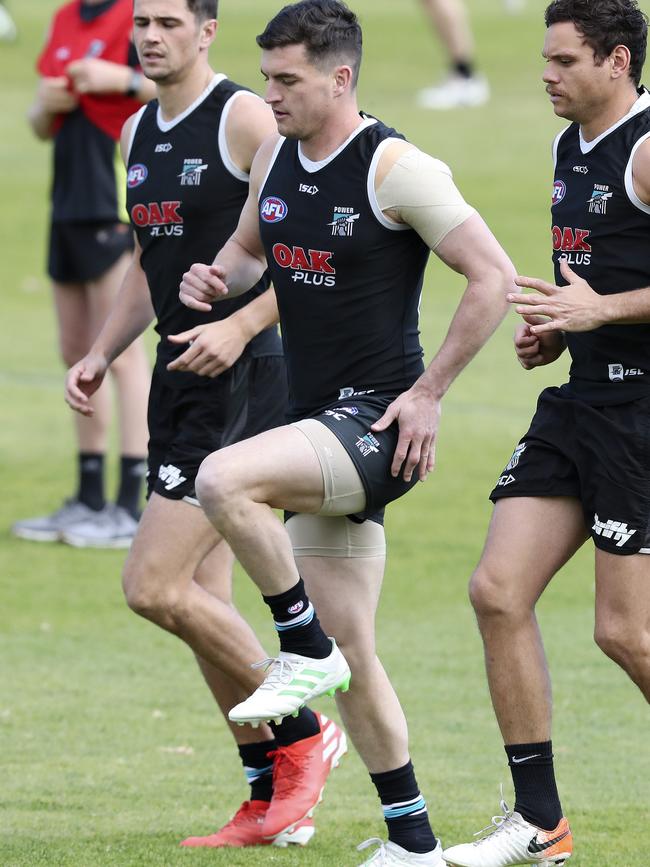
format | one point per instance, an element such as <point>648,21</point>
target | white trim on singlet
<point>226,159</point>
<point>134,127</point>
<point>166,125</point>
<point>312,166</point>
<point>274,156</point>
<point>381,218</point>
<point>556,144</point>
<point>629,182</point>
<point>640,105</point>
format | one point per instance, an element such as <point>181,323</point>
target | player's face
<point>301,95</point>
<point>577,84</point>
<point>169,39</point>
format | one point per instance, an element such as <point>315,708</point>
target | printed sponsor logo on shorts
<point>345,393</point>
<point>516,455</point>
<point>339,416</point>
<point>616,530</point>
<point>137,175</point>
<point>295,609</point>
<point>368,444</point>
<point>171,476</point>
<point>617,372</point>
<point>351,410</point>
<point>504,480</point>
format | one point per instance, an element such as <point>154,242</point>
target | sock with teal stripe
<point>258,768</point>
<point>405,810</point>
<point>297,624</point>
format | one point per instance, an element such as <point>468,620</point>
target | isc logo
<point>273,209</point>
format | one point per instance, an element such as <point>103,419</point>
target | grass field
<point>110,749</point>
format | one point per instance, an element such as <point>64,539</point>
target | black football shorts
<point>79,252</point>
<point>189,423</point>
<point>598,454</point>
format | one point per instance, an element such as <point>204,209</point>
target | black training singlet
<point>603,229</point>
<point>184,197</point>
<point>348,281</point>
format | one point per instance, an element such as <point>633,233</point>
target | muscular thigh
<point>529,539</point>
<point>72,312</point>
<point>623,592</point>
<point>172,539</point>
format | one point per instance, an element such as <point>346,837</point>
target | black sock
<point>259,769</point>
<point>533,776</point>
<point>91,480</point>
<point>464,68</point>
<point>132,473</point>
<point>405,811</point>
<point>293,729</point>
<point>297,624</point>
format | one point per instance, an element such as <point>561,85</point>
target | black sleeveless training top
<point>603,229</point>
<point>348,281</point>
<point>184,197</point>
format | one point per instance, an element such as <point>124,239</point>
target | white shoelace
<point>374,841</point>
<point>279,672</point>
<point>498,823</point>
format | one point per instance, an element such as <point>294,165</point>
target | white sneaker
<point>455,91</point>
<point>112,527</point>
<point>49,528</point>
<point>291,682</point>
<point>509,840</point>
<point>391,855</point>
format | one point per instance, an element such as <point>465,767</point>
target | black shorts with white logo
<point>79,252</point>
<point>187,424</point>
<point>372,453</point>
<point>598,454</point>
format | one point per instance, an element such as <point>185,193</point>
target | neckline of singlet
<point>166,125</point>
<point>639,105</point>
<point>312,166</point>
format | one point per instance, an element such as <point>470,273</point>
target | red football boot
<point>299,774</point>
<point>245,829</point>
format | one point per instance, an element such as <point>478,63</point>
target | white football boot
<point>291,682</point>
<point>509,840</point>
<point>456,91</point>
<point>391,855</point>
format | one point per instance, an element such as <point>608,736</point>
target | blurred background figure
<point>463,86</point>
<point>8,30</point>
<point>89,85</point>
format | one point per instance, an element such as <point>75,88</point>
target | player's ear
<point>342,78</point>
<point>619,61</point>
<point>208,32</point>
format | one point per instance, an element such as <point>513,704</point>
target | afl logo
<point>559,191</point>
<point>137,175</point>
<point>273,209</point>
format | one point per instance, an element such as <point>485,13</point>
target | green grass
<point>93,701</point>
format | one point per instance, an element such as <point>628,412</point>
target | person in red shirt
<point>90,83</point>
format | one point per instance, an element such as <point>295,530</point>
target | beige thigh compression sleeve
<point>330,533</point>
<point>338,536</point>
<point>344,492</point>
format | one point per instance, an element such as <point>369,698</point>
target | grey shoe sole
<point>33,535</point>
<point>83,542</point>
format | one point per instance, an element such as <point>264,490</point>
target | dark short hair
<point>203,10</point>
<point>604,25</point>
<point>327,28</point>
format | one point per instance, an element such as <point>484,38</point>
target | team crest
<point>192,172</point>
<point>96,48</point>
<point>599,198</point>
<point>343,222</point>
<point>559,192</point>
<point>137,175</point>
<point>273,209</point>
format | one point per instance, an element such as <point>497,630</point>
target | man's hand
<point>94,75</point>
<point>54,96</point>
<point>202,285</point>
<point>575,307</point>
<point>82,381</point>
<point>417,414</point>
<point>535,350</point>
<point>214,347</point>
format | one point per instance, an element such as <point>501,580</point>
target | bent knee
<point>620,642</point>
<point>217,484</point>
<point>146,597</point>
<point>492,595</point>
